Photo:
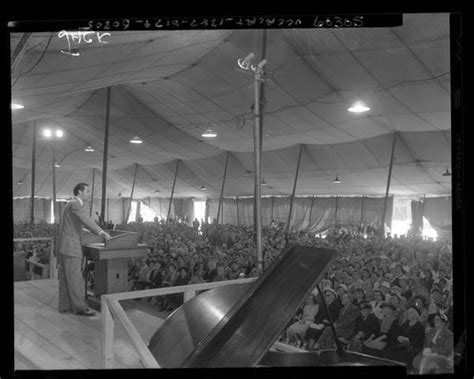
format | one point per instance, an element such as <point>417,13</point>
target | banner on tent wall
<point>349,211</point>
<point>416,217</point>
<point>438,212</point>
<point>158,205</point>
<point>113,210</point>
<point>181,207</point>
<point>323,214</point>
<point>373,211</point>
<point>22,212</point>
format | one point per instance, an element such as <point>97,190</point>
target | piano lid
<point>235,325</point>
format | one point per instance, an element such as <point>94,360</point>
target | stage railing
<point>111,310</point>
<point>52,258</point>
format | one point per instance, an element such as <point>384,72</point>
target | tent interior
<point>168,87</point>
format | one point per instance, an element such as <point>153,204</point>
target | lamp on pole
<point>259,77</point>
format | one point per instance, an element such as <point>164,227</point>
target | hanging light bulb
<point>20,182</point>
<point>203,187</point>
<point>56,164</point>
<point>136,139</point>
<point>89,149</point>
<point>209,133</point>
<point>336,181</point>
<point>358,107</point>
<point>447,173</point>
<point>263,182</point>
<point>47,133</point>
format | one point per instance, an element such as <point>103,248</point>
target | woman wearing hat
<point>387,331</point>
<point>409,340</point>
<point>438,340</point>
<point>376,304</point>
<point>341,289</point>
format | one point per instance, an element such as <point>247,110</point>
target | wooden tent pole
<point>237,206</point>
<point>138,213</point>
<point>311,212</point>
<point>263,56</point>
<point>362,210</point>
<point>273,204</point>
<point>92,192</point>
<point>131,193</point>
<point>258,177</point>
<point>222,189</point>
<point>105,157</point>
<point>54,182</point>
<point>335,211</point>
<point>172,190</point>
<point>19,52</point>
<point>382,229</point>
<point>33,176</point>
<point>294,190</point>
<point>258,139</point>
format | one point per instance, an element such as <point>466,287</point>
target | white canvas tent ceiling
<point>169,86</point>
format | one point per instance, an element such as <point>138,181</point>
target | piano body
<point>237,325</point>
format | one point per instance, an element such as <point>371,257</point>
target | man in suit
<point>71,280</point>
<point>345,324</point>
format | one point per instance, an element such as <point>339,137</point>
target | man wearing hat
<point>345,323</point>
<point>409,340</point>
<point>367,326</point>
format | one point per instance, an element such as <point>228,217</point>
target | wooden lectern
<point>111,262</point>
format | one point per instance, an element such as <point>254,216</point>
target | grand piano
<point>238,325</point>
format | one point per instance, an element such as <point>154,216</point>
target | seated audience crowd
<point>390,297</point>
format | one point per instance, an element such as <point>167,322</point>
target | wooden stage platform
<point>48,340</point>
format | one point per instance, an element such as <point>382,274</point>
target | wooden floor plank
<point>41,351</point>
<point>26,304</point>
<point>46,295</point>
<point>90,332</point>
<point>146,317</point>
<point>66,335</point>
<point>86,352</point>
<point>23,363</point>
